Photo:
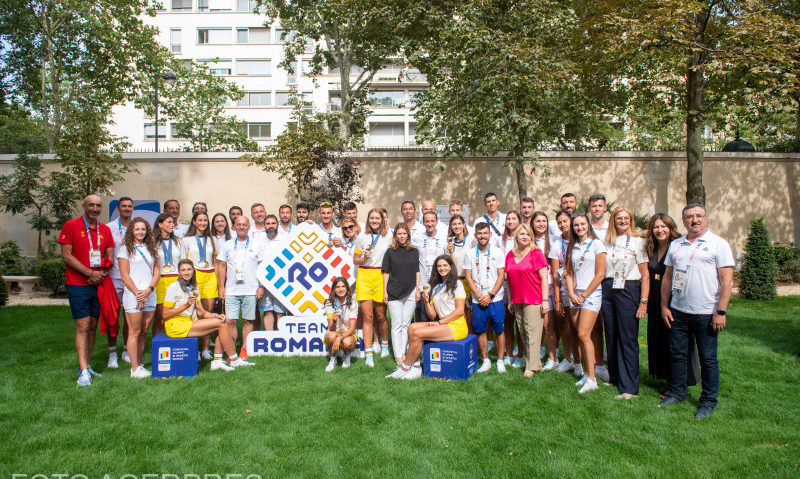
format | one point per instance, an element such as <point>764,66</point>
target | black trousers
<point>622,334</point>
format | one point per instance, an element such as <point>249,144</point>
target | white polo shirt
<point>246,254</point>
<point>379,246</point>
<point>429,249</point>
<point>180,229</point>
<point>589,249</point>
<point>700,259</point>
<point>626,254</point>
<point>335,232</point>
<point>600,231</point>
<point>499,223</point>
<point>484,270</point>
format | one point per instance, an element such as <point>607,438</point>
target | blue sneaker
<point>84,378</point>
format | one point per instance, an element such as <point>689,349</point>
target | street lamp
<point>168,76</point>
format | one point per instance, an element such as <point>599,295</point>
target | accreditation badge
<point>679,280</point>
<point>95,259</point>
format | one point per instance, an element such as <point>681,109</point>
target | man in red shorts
<point>84,242</point>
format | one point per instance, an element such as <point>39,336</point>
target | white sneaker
<point>112,361</point>
<point>601,372</point>
<point>578,370</point>
<point>413,373</point>
<point>384,351</point>
<point>376,347</point>
<point>241,362</point>
<point>485,366</point>
<point>126,357</point>
<point>218,364</point>
<point>331,365</point>
<point>548,365</point>
<point>370,361</point>
<point>582,380</point>
<point>207,355</point>
<point>565,366</point>
<point>517,363</point>
<point>501,367</point>
<point>140,373</point>
<point>589,386</point>
<point>84,378</point>
<point>346,362</point>
<point>398,373</point>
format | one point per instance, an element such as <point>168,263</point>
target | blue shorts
<point>496,312</point>
<point>244,304</point>
<point>83,301</point>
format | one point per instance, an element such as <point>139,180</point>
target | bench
<point>174,358</point>
<point>451,359</point>
<point>26,283</point>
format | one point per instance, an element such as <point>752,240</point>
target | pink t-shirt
<point>523,277</point>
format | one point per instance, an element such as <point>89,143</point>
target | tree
<point>693,55</point>
<point>48,199</point>
<point>357,37</point>
<point>310,159</point>
<point>498,73</point>
<point>19,132</point>
<point>757,277</point>
<point>58,52</point>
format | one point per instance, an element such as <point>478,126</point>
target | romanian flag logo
<point>163,354</point>
<point>435,354</point>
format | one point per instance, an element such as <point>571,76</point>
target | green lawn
<point>286,417</point>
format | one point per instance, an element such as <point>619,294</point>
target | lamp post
<point>168,76</point>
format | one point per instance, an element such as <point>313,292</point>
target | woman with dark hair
<point>199,246</point>
<point>221,229</point>
<point>342,313</point>
<point>661,231</point>
<point>401,283</point>
<point>186,318</point>
<point>169,253</point>
<point>138,267</point>
<point>457,246</point>
<point>444,298</point>
<point>558,262</point>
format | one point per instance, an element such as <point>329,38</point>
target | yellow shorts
<point>207,284</point>
<point>369,285</point>
<point>163,284</point>
<point>468,295</point>
<point>459,328</point>
<point>178,327</point>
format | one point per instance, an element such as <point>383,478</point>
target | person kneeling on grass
<point>182,308</point>
<point>444,299</point>
<point>342,313</point>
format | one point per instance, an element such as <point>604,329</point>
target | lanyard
<point>437,289</point>
<point>89,234</point>
<point>235,246</point>
<point>691,257</point>
<point>144,258</point>
<point>492,222</point>
<point>374,237</point>
<point>425,245</point>
<point>478,267</point>
<point>459,243</point>
<point>122,229</point>
<point>337,305</point>
<point>167,252</point>
<point>330,235</point>
<point>614,248</point>
<point>583,255</point>
<point>202,249</point>
<point>563,249</point>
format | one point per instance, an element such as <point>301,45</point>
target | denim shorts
<point>244,304</point>
<point>83,301</point>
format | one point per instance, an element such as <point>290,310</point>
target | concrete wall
<point>739,186</point>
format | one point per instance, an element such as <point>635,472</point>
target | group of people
<point>516,279</point>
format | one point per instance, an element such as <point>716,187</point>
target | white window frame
<point>260,125</point>
<point>208,35</point>
<point>243,61</point>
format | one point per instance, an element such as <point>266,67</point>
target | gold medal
<point>202,264</point>
<point>167,268</point>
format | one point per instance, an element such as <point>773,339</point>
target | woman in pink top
<point>526,271</point>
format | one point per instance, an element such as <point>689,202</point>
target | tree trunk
<point>695,85</point>
<point>519,168</point>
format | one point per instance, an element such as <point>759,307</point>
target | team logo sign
<point>296,336</point>
<point>299,269</point>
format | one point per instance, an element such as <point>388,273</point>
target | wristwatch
<point>643,301</point>
<point>721,312</point>
<point>491,295</point>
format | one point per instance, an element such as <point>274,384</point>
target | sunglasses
<point>325,203</point>
<point>345,228</point>
<point>579,213</point>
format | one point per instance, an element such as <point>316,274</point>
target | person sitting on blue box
<point>182,307</point>
<point>342,313</point>
<point>444,299</point>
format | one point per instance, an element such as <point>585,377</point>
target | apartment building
<point>233,42</point>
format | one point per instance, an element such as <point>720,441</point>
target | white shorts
<point>119,287</point>
<point>129,302</point>
<point>593,302</point>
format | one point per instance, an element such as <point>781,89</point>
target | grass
<point>286,417</point>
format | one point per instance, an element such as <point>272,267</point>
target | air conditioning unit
<point>388,78</point>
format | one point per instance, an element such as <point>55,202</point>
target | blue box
<point>451,359</point>
<point>174,357</point>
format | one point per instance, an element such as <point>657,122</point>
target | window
<point>412,134</point>
<point>253,67</point>
<point>175,40</point>
<point>246,5</point>
<point>202,5</point>
<point>413,97</point>
<point>252,35</point>
<point>173,131</point>
<point>354,70</point>
<point>308,106</point>
<point>220,5</point>
<point>334,102</point>
<point>291,73</point>
<point>214,36</point>
<point>218,67</point>
<point>387,99</point>
<point>386,134</point>
<point>150,131</point>
<point>281,98</point>
<point>256,98</point>
<point>306,69</point>
<point>284,36</point>
<point>259,130</point>
<point>181,5</point>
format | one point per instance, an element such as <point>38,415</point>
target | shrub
<point>791,270</point>
<point>785,257</point>
<point>10,259</point>
<point>758,269</point>
<point>3,293</point>
<point>53,274</point>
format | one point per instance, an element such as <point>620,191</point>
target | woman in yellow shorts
<point>169,248</point>
<point>444,299</point>
<point>200,247</point>
<point>183,307</point>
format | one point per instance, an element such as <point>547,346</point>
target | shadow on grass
<point>775,324</point>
